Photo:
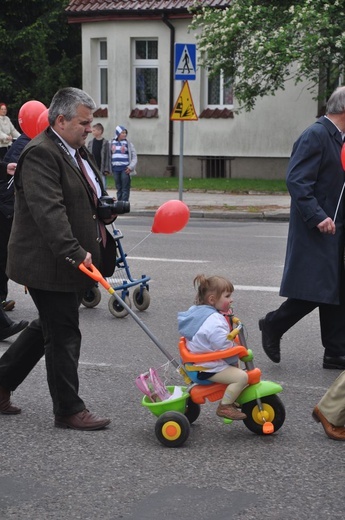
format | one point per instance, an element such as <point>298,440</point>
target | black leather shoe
<point>12,329</point>
<point>334,362</point>
<point>270,344</point>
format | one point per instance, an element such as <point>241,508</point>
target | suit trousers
<point>332,322</point>
<point>56,335</point>
<point>332,404</point>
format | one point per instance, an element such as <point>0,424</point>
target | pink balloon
<point>28,115</point>
<point>342,156</point>
<point>42,121</point>
<point>170,217</point>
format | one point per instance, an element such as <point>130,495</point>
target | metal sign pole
<point>180,172</point>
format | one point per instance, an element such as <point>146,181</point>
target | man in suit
<point>330,411</point>
<point>314,265</point>
<point>56,227</point>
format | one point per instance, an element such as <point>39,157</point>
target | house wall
<point>258,142</point>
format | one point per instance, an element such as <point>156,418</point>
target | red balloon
<point>28,115</point>
<point>170,217</point>
<point>342,156</point>
<point>42,121</point>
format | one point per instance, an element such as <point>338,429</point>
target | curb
<point>277,216</point>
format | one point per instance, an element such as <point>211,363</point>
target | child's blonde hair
<point>213,285</point>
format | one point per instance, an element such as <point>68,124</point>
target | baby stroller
<point>121,281</point>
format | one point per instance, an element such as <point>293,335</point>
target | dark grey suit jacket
<point>55,220</point>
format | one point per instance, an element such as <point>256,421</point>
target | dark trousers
<point>5,231</point>
<point>56,334</point>
<point>332,322</point>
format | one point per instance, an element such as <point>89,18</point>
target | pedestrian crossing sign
<point>184,107</point>
<point>185,61</point>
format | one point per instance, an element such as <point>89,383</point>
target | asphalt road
<point>222,472</point>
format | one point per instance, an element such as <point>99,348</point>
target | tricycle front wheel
<point>273,411</point>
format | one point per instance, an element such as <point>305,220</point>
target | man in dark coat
<point>56,227</point>
<point>314,264</point>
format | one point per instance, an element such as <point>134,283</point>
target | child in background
<point>99,147</point>
<point>206,328</point>
<point>123,162</point>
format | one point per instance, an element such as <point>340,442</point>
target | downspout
<point>170,169</point>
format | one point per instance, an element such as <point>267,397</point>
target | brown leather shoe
<point>336,433</point>
<point>229,411</point>
<point>84,420</point>
<point>6,407</point>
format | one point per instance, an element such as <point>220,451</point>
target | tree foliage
<point>262,44</point>
<point>39,53</point>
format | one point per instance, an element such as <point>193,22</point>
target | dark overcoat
<point>314,267</point>
<point>55,219</point>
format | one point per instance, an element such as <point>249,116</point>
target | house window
<point>103,72</point>
<point>219,91</point>
<point>145,72</point>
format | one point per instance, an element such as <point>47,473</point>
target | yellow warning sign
<point>184,108</point>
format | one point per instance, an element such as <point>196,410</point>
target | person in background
<point>314,275</point>
<point>57,227</point>
<point>7,326</point>
<point>6,217</point>
<point>7,131</point>
<point>330,411</point>
<point>123,162</point>
<point>99,147</point>
<point>206,329</point>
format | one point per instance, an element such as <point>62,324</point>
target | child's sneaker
<point>229,411</point>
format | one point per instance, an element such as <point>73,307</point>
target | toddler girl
<point>206,328</point>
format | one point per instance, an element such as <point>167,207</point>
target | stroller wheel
<point>91,297</point>
<point>116,308</point>
<point>141,298</point>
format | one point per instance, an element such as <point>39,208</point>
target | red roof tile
<point>216,113</point>
<point>112,6</point>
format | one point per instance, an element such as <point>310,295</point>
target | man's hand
<point>11,168</point>
<point>88,260</point>
<point>327,226</point>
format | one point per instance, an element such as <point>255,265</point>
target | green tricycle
<point>177,407</point>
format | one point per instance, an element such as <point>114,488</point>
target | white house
<point>129,68</point>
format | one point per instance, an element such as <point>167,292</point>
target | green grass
<point>223,185</point>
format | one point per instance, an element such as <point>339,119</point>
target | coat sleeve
<point>133,157</point>
<point>302,177</point>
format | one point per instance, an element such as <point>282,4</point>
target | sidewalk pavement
<point>217,205</point>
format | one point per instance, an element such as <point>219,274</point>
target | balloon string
<point>336,211</point>
<point>141,241</point>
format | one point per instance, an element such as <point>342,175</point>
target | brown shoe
<point>84,420</point>
<point>229,411</point>
<point>6,407</point>
<point>336,433</point>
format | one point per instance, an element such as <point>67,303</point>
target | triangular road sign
<point>184,107</point>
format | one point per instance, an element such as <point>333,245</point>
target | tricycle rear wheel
<point>172,429</point>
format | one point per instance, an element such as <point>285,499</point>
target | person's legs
<point>277,322</point>
<point>5,230</point>
<point>237,380</point>
<point>59,315</point>
<point>20,358</point>
<point>332,324</point>
<point>332,404</point>
<point>126,186</point>
<point>118,184</point>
